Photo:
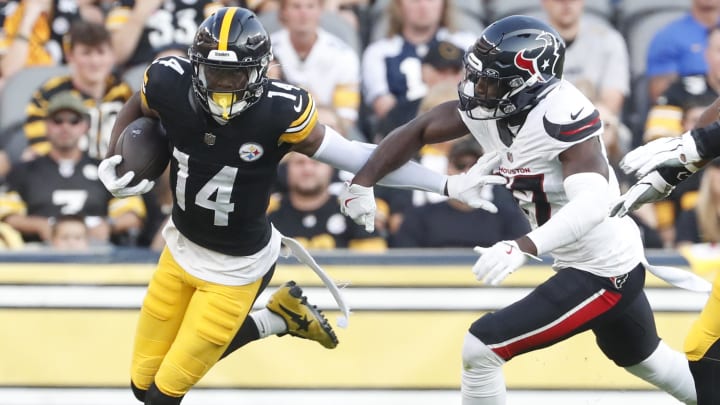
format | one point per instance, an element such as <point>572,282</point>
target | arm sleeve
<point>707,140</point>
<point>351,156</point>
<point>587,207</point>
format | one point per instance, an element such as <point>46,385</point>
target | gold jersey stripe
<point>225,28</point>
<point>299,133</point>
<point>308,109</point>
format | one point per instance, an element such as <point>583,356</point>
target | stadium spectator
<point>686,94</point>
<point>677,49</point>
<point>391,67</point>
<point>442,64</point>
<point>451,223</point>
<point>91,60</point>
<point>70,234</point>
<point>310,214</point>
<point>596,59</point>
<point>317,60</point>
<point>33,32</point>
<point>65,181</point>
<point>140,28</point>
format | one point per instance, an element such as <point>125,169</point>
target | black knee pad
<point>139,394</point>
<point>155,397</point>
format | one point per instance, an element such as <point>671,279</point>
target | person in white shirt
<point>317,60</point>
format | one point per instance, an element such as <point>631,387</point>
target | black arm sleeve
<point>707,140</point>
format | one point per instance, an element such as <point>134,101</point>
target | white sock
<point>483,382</point>
<point>668,370</point>
<point>268,323</point>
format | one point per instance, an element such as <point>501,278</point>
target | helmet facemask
<point>484,94</point>
<point>227,90</point>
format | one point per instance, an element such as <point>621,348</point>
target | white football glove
<point>663,152</point>
<point>650,188</point>
<point>467,187</point>
<point>118,186</point>
<point>498,261</point>
<point>358,202</point>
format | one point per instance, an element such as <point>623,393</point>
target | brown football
<point>144,148</point>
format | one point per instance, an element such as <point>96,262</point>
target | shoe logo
<point>298,106</point>
<point>301,321</point>
<point>509,251</point>
<point>573,116</point>
<point>349,200</point>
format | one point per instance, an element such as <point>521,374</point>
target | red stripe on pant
<point>596,305</point>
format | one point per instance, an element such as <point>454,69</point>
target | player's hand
<point>498,261</point>
<point>467,187</point>
<point>663,152</point>
<point>118,187</point>
<point>358,202</point>
<point>650,188</point>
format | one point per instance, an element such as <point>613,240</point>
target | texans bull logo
<point>539,61</point>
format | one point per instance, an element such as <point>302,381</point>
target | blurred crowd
<point>67,67</point>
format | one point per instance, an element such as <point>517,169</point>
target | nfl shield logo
<point>509,156</point>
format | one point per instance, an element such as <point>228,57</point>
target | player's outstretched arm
<point>665,162</point>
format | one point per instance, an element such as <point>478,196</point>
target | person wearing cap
<point>442,64</point>
<point>391,72</point>
<point>65,182</point>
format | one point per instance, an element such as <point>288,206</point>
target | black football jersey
<point>50,189</point>
<point>222,175</point>
<point>173,23</point>
<point>324,228</point>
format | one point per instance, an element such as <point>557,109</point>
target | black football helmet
<point>509,68</point>
<point>230,55</point>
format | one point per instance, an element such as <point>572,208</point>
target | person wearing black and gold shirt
<point>91,60</point>
<point>309,213</point>
<point>65,182</point>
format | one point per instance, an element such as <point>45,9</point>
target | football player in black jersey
<point>228,126</point>
<point>661,165</point>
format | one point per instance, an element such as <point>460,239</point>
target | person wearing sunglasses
<point>65,182</point>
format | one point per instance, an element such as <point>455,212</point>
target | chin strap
<point>304,257</point>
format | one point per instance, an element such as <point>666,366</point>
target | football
<point>144,148</point>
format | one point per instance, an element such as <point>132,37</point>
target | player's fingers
<point>123,181</point>
<point>487,206</point>
<point>495,180</point>
<point>480,250</point>
<point>369,220</point>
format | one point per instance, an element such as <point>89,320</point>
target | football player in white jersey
<point>547,137</point>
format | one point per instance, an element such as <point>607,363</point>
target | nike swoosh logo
<point>298,106</point>
<point>301,321</point>
<point>509,251</point>
<point>348,201</point>
<point>573,116</point>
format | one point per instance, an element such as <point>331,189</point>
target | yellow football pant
<point>706,330</point>
<point>185,325</point>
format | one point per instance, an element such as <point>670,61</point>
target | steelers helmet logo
<point>250,151</point>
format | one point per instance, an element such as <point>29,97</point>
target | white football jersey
<point>530,162</point>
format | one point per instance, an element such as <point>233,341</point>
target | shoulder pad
<point>571,116</point>
<point>161,78</point>
<point>294,105</point>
